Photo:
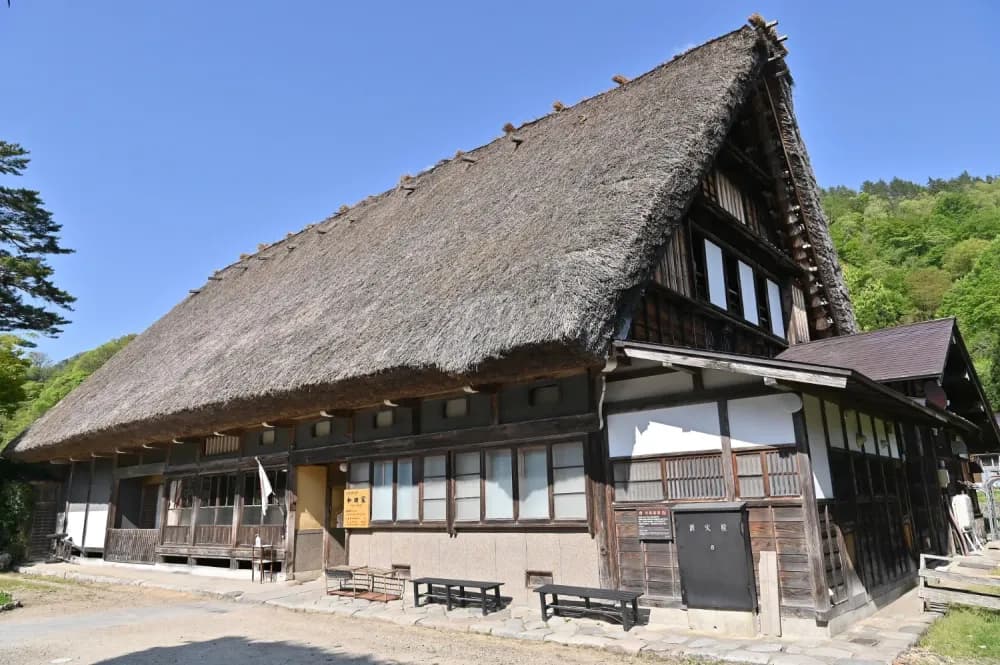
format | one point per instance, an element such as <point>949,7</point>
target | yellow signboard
<point>357,508</point>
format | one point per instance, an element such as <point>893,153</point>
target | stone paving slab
<point>876,640</point>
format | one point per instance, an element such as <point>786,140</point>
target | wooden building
<point>566,355</point>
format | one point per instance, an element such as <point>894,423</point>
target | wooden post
<point>69,492</point>
<point>113,503</point>
<point>86,508</point>
<point>810,515</point>
<point>770,597</point>
<point>161,508</point>
<point>728,470</point>
<point>237,517</point>
<point>291,499</point>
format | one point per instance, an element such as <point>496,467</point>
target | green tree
<point>28,235</point>
<point>975,300</point>
<point>926,287</point>
<point>43,393</point>
<point>961,256</point>
<point>991,382</point>
<point>877,306</point>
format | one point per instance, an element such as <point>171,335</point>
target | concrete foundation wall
<point>572,558</point>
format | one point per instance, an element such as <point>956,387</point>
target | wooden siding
<point>213,535</point>
<point>663,317</point>
<point>673,269</point>
<point>651,566</point>
<point>176,535</point>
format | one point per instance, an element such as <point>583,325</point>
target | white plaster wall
<point>763,421</point>
<point>670,383</point>
<point>503,556</point>
<point>866,429</point>
<point>818,454</point>
<point>689,428</point>
<point>74,525</point>
<point>97,524</point>
<point>834,424</point>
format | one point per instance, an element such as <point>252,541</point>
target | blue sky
<point>169,137</point>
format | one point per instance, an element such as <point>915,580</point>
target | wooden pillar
<point>728,471</point>
<point>69,492</point>
<point>113,502</point>
<point>810,514</point>
<point>291,499</point>
<point>237,517</point>
<point>161,507</point>
<point>86,507</point>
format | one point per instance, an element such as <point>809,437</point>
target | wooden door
<point>336,541</point>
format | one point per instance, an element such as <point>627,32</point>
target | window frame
<point>733,290</point>
<point>450,520</point>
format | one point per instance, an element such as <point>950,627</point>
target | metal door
<point>713,552</point>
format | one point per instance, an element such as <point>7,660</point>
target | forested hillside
<point>48,383</point>
<point>913,252</point>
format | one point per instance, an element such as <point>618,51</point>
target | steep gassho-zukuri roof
<point>520,251</point>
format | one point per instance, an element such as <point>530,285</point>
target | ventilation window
<point>402,570</point>
<point>322,428</point>
<point>456,408</point>
<point>221,445</point>
<point>545,395</point>
<point>384,419</point>
<point>533,578</point>
<point>267,437</point>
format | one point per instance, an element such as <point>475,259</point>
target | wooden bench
<point>445,591</point>
<point>624,604</point>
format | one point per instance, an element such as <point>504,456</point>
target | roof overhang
<point>803,376</point>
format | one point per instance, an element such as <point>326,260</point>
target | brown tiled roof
<point>892,354</point>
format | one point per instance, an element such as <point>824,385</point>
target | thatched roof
<point>516,254</point>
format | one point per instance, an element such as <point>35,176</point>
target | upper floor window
<point>735,286</point>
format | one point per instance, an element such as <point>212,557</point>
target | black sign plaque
<point>654,524</point>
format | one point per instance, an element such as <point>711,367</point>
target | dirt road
<point>72,623</point>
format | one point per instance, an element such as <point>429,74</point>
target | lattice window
<point>698,477</point>
<point>638,481</point>
<point>782,472</point>
<point>767,473</point>
<point>221,445</point>
<point>729,197</point>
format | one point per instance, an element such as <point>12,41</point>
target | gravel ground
<point>74,623</point>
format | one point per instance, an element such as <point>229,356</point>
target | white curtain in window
<point>715,274</point>
<point>774,307</point>
<point>499,485</point>
<point>382,491</point>
<point>467,487</point>
<point>533,484</point>
<point>435,488</point>
<point>569,487</point>
<point>406,491</point>
<point>749,292</point>
<point>358,477</point>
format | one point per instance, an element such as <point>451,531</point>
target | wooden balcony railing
<point>131,545</point>
<point>270,534</point>
<point>176,535</point>
<point>213,534</point>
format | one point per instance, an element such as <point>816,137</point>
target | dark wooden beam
<point>508,432</point>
